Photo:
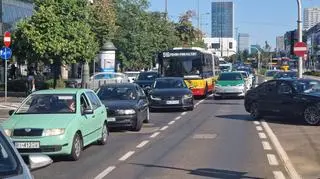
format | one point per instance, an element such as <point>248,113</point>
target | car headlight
<point>187,96</point>
<point>8,132</point>
<point>53,132</point>
<point>155,98</point>
<point>126,111</point>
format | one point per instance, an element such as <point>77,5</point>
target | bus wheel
<point>205,91</point>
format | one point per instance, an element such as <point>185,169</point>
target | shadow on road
<point>205,172</point>
<point>269,119</point>
<point>166,110</point>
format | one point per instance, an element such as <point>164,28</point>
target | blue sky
<point>262,19</point>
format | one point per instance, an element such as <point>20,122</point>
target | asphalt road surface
<point>216,140</point>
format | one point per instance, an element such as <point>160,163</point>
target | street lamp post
<point>300,68</point>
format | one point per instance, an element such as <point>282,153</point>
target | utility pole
<point>198,3</point>
<point>166,8</point>
<point>221,34</point>
<point>300,67</point>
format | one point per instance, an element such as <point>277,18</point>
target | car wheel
<point>104,135</point>
<point>205,92</point>
<point>137,125</point>
<point>254,111</point>
<point>190,108</point>
<point>76,147</point>
<point>312,115</point>
<point>147,120</point>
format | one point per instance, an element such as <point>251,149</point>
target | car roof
<point>172,78</point>
<point>119,85</point>
<point>233,72</point>
<point>241,71</point>
<point>62,91</point>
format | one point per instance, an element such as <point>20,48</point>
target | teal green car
<point>230,84</point>
<point>58,122</point>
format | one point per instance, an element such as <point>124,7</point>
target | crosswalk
<point>9,106</point>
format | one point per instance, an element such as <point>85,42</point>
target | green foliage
<point>60,83</point>
<point>53,34</point>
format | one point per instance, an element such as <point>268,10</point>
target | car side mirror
<point>37,161</point>
<point>11,112</point>
<point>87,111</point>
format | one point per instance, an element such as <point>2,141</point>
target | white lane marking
<point>154,134</point>
<point>184,113</point>
<point>201,101</point>
<point>126,156</point>
<point>262,135</point>
<point>281,152</point>
<point>211,95</point>
<point>164,128</point>
<point>105,172</point>
<point>143,143</point>
<point>172,122</point>
<point>272,159</point>
<point>7,107</point>
<point>256,122</point>
<point>278,175</point>
<point>177,118</point>
<point>259,128</point>
<point>266,145</point>
<point>197,103</point>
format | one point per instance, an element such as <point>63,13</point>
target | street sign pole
<point>5,79</point>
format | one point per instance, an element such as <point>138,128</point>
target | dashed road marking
<point>172,122</point>
<point>272,159</point>
<point>154,134</point>
<point>177,118</point>
<point>143,143</point>
<point>281,152</point>
<point>259,128</point>
<point>204,136</point>
<point>105,172</point>
<point>164,128</point>
<point>262,135</point>
<point>256,122</point>
<point>266,145</point>
<point>184,113</point>
<point>278,175</point>
<point>126,156</point>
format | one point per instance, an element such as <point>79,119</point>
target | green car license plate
<point>27,145</point>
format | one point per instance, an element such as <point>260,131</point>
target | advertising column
<point>107,57</point>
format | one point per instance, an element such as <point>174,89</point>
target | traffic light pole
<point>300,64</point>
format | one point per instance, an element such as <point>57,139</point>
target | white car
<point>132,75</point>
<point>248,78</point>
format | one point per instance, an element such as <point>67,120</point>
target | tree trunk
<point>56,72</point>
<point>85,75</point>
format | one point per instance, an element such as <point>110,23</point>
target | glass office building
<point>222,19</point>
<point>13,11</point>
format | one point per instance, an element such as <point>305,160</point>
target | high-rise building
<point>280,43</point>
<point>311,17</point>
<point>222,19</point>
<point>12,11</point>
<point>243,42</point>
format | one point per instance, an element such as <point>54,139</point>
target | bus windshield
<point>182,66</point>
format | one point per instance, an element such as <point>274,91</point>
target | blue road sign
<point>5,53</point>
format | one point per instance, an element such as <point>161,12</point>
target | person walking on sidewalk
<point>31,81</point>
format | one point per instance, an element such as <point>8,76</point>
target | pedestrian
<point>31,81</point>
<point>13,71</point>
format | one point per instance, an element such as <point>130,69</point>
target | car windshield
<point>147,76</point>
<point>270,73</point>
<point>169,83</point>
<point>129,74</point>
<point>225,68</point>
<point>117,93</point>
<point>48,104</point>
<point>307,86</point>
<point>286,75</point>
<point>230,77</point>
<point>9,163</point>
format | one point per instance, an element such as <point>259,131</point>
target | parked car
<point>132,75</point>
<point>127,105</point>
<point>170,92</point>
<point>286,75</point>
<point>11,163</point>
<point>146,79</point>
<point>289,97</point>
<point>230,84</point>
<point>58,122</point>
<point>270,74</point>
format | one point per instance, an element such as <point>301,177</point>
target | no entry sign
<point>300,48</point>
<point>7,39</point>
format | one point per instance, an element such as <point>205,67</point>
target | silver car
<point>12,166</point>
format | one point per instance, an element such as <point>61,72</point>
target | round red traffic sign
<point>7,39</point>
<point>299,49</point>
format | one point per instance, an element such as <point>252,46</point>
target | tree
<point>103,20</point>
<point>52,34</point>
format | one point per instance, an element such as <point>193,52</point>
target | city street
<point>216,140</point>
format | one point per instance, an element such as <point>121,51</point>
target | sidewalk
<point>13,94</point>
